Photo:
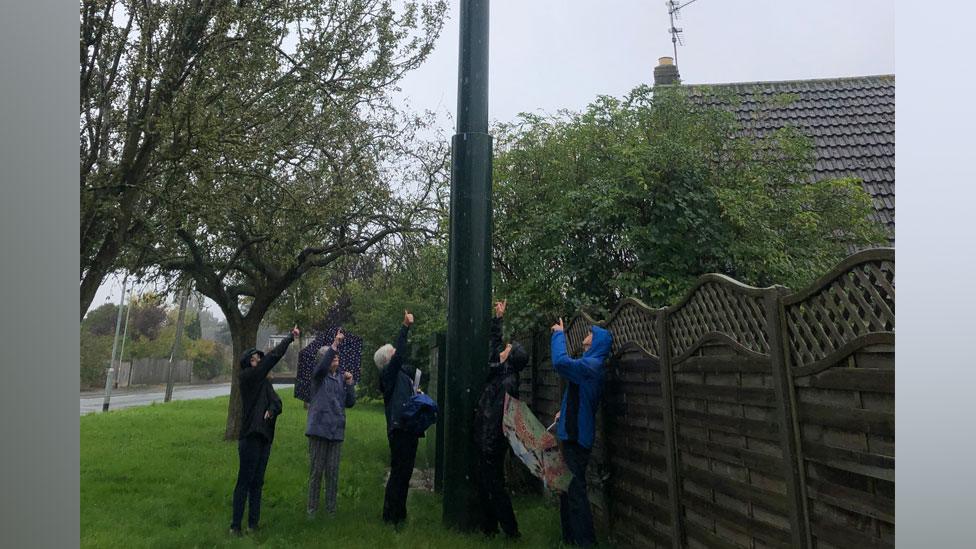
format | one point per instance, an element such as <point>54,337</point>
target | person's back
<point>505,362</point>
<point>396,383</point>
<point>397,388</point>
<point>577,424</point>
<point>584,387</point>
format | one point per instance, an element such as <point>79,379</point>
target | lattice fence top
<point>720,305</point>
<point>855,299</point>
<point>578,327</point>
<point>852,301</point>
<point>634,322</point>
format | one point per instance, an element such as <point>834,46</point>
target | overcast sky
<point>552,54</point>
<point>547,55</point>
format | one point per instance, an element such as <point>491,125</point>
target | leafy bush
<point>96,351</point>
<point>209,358</point>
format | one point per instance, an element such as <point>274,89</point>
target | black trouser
<point>574,506</point>
<point>494,498</point>
<point>403,453</point>
<point>253,451</point>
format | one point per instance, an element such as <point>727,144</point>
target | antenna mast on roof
<point>674,11</point>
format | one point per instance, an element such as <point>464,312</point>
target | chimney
<point>666,72</point>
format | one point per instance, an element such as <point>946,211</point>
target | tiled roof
<point>851,121</point>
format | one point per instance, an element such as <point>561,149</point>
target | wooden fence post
<point>670,425</point>
<point>788,425</point>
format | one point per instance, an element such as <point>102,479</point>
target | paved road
<point>92,402</point>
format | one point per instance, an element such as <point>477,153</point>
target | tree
<point>639,196</point>
<point>136,58</point>
<point>292,155</point>
<point>165,83</point>
<point>101,321</point>
<point>192,330</point>
<point>148,316</point>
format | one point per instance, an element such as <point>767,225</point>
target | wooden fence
<point>746,417</point>
<point>152,371</point>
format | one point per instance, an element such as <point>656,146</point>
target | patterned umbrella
<point>534,445</point>
<point>350,357</point>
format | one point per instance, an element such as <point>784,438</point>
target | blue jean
<point>253,451</point>
<point>574,506</point>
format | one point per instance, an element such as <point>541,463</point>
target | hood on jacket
<point>601,344</point>
<point>246,357</point>
<point>518,357</point>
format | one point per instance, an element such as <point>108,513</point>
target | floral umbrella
<point>534,445</point>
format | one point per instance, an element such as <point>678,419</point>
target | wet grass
<point>161,476</point>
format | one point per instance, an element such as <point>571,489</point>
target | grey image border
<point>39,223</point>
<point>39,230</point>
<point>936,366</point>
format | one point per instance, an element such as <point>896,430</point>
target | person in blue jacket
<point>577,424</point>
<point>325,427</point>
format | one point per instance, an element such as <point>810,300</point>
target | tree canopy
<point>639,196</point>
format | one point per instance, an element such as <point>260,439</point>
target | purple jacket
<point>330,398</point>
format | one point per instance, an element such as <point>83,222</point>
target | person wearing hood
<point>325,427</point>
<point>396,384</point>
<point>260,408</point>
<point>577,424</point>
<point>504,364</point>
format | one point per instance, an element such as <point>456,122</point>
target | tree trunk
<point>89,287</point>
<point>244,336</point>
<point>95,272</point>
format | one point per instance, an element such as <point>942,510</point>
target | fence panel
<point>745,417</point>
<point>840,336</point>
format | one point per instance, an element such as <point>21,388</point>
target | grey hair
<point>383,355</point>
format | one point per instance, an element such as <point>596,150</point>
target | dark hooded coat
<point>257,394</point>
<point>503,378</point>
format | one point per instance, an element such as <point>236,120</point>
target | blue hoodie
<point>577,415</point>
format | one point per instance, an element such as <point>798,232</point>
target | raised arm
<point>400,356</point>
<point>495,334</point>
<point>268,362</point>
<point>323,365</point>
<point>330,353</point>
<point>572,369</point>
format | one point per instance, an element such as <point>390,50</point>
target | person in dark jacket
<point>577,424</point>
<point>326,424</point>
<point>504,364</point>
<point>396,383</point>
<point>260,408</point>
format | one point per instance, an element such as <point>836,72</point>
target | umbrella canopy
<point>350,360</point>
<point>534,445</point>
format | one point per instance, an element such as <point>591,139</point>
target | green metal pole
<point>469,270</point>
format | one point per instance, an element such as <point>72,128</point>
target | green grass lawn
<point>161,476</point>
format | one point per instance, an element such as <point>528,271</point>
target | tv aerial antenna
<point>674,11</point>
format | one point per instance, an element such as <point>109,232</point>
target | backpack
<point>419,413</point>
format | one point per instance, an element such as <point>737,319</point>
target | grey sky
<point>548,55</point>
<point>552,54</point>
